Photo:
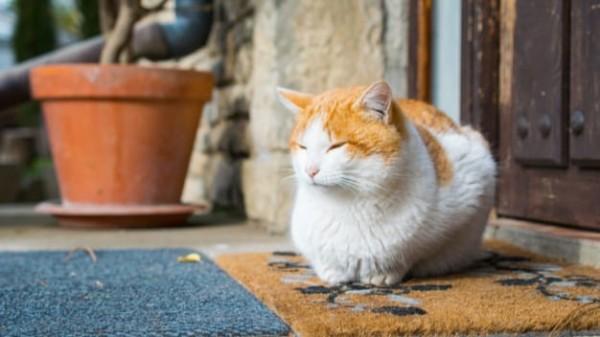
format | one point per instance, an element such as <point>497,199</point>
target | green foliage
<point>34,32</point>
<point>67,18</point>
<point>28,114</point>
<point>35,170</point>
<point>90,18</point>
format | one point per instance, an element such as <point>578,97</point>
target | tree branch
<point>155,8</point>
<point>120,36</point>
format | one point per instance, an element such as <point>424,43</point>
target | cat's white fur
<point>368,220</point>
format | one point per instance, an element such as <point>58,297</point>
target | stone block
<point>214,178</point>
<point>304,45</point>
<point>227,103</point>
<point>205,165</point>
<point>228,137</point>
<point>233,140</point>
<point>211,114</point>
<point>310,46</point>
<point>244,63</point>
<point>201,176</point>
<point>233,101</point>
<point>226,186</point>
<point>194,191</point>
<point>269,190</point>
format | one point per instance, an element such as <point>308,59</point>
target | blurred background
<point>254,46</point>
<point>522,72</point>
<point>29,29</point>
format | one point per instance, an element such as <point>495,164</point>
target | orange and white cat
<point>385,187</point>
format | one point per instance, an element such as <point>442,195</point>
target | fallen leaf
<point>190,258</point>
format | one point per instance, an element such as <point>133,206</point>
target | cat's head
<point>345,138</point>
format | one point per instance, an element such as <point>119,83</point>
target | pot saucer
<point>119,216</point>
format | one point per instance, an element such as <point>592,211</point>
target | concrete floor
<point>213,234</point>
<point>569,244</point>
<point>23,229</point>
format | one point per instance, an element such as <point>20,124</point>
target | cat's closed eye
<point>336,145</point>
<point>301,146</point>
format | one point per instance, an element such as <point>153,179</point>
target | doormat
<point>510,291</point>
<point>126,293</point>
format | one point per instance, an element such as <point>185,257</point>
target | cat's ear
<point>377,100</point>
<point>293,100</point>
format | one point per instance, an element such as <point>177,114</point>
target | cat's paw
<point>333,277</point>
<point>382,280</point>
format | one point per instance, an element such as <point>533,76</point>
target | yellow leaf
<point>190,258</point>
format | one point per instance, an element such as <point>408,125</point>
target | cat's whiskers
<point>361,183</point>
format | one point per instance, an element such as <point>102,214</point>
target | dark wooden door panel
<point>531,185</point>
<point>585,83</point>
<point>539,82</point>
<point>550,195</point>
<point>480,58</point>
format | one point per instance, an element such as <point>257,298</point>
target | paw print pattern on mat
<point>505,270</point>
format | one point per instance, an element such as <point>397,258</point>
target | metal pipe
<point>14,82</point>
<point>191,28</point>
<point>155,41</point>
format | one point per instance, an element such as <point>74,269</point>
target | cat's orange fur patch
<point>345,120</point>
<point>426,115</point>
<point>443,167</point>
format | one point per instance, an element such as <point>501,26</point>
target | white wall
<point>445,72</point>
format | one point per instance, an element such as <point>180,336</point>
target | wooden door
<point>550,111</point>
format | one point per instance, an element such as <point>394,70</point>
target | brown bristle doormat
<point>510,291</point>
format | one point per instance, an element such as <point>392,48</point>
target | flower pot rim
<point>120,67</point>
<point>114,81</point>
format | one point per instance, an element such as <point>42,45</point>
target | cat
<point>385,188</point>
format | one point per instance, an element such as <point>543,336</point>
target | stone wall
<point>214,176</point>
<point>305,45</point>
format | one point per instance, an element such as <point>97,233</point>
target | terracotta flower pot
<point>121,139</point>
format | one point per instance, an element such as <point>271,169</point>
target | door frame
<point>419,50</point>
<point>480,86</point>
<point>480,68</point>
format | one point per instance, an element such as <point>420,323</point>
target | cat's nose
<point>312,171</point>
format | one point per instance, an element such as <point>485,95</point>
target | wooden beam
<point>419,56</point>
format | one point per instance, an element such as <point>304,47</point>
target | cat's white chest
<point>341,233</point>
